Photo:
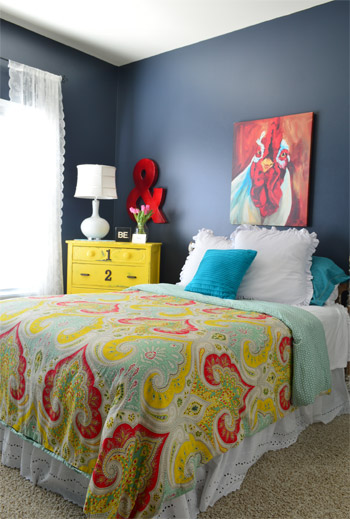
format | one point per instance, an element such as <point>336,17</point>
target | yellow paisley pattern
<point>139,390</point>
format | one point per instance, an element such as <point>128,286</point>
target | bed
<point>155,401</point>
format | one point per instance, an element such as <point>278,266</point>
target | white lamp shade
<point>96,182</point>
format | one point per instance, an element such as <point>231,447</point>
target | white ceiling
<point>123,31</point>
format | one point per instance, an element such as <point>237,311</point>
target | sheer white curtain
<point>31,182</point>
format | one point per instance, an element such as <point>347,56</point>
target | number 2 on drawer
<point>108,275</point>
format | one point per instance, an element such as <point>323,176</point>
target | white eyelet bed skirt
<point>219,477</point>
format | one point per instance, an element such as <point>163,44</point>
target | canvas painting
<point>270,171</point>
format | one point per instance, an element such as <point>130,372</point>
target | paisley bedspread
<point>136,388</point>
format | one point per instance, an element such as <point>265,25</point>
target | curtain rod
<point>64,78</point>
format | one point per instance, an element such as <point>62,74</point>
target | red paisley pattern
<point>284,347</point>
<point>146,448</point>
<point>93,429</point>
<point>18,393</point>
<point>284,397</point>
<point>223,362</point>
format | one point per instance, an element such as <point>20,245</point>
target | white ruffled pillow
<point>204,240</point>
<point>281,270</point>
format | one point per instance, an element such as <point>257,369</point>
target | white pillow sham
<point>333,297</point>
<point>281,270</point>
<point>204,240</point>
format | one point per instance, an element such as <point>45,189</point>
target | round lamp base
<point>95,227</point>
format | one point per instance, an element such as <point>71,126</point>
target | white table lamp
<point>97,183</point>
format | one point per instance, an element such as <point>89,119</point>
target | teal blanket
<point>311,370</point>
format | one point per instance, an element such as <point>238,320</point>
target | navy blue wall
<point>90,107</point>
<point>178,108</point>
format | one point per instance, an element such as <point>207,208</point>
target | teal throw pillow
<point>221,271</point>
<point>326,275</point>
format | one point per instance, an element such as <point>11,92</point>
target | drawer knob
<point>131,277</point>
<point>84,274</point>
<point>126,255</point>
<point>90,253</point>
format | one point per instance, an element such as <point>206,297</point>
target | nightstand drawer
<point>108,276</point>
<point>109,254</point>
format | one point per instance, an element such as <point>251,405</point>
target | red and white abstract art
<point>270,173</point>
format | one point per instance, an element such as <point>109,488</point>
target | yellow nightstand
<point>108,266</point>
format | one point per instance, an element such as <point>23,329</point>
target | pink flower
<point>141,216</point>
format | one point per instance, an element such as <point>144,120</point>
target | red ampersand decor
<point>145,175</point>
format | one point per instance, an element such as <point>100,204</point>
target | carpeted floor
<point>309,480</point>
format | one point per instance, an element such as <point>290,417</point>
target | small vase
<point>142,229</point>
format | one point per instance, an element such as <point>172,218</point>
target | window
<point>31,163</point>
